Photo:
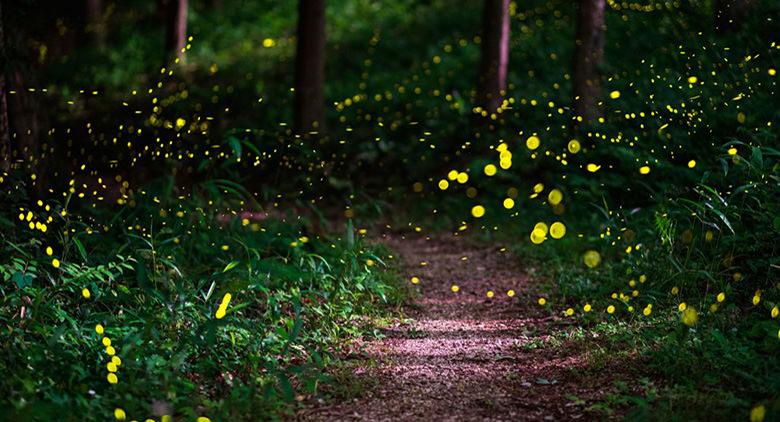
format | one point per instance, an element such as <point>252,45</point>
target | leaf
<point>210,292</point>
<point>230,266</point>
<point>80,247</point>
<point>22,280</point>
<point>350,234</point>
<point>235,144</point>
<point>757,159</point>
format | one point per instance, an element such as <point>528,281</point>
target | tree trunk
<point>729,14</point>
<point>24,116</point>
<point>5,133</point>
<point>495,54</point>
<point>96,25</point>
<point>310,67</point>
<point>588,58</point>
<point>176,27</point>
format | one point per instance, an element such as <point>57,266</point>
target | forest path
<point>464,356</point>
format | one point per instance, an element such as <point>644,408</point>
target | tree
<point>310,67</point>
<point>5,133</point>
<point>176,27</point>
<point>96,26</point>
<point>729,14</point>
<point>588,58</point>
<point>495,54</point>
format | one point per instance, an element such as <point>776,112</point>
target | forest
<point>326,210</point>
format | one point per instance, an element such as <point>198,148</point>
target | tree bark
<point>588,59</point>
<point>176,27</point>
<point>310,67</point>
<point>729,14</point>
<point>96,25</point>
<point>495,54</point>
<point>5,133</point>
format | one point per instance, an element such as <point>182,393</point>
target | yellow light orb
<point>478,211</point>
<point>555,197</point>
<point>574,146</point>
<point>557,230</point>
<point>532,142</point>
<point>591,259</point>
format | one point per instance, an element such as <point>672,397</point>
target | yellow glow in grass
<point>591,259</point>
<point>690,317</point>
<point>557,230</point>
<point>478,211</point>
<point>555,197</point>
<point>532,142</point>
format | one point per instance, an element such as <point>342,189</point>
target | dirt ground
<point>465,356</point>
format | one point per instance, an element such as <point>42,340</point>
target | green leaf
<point>22,280</point>
<point>80,247</point>
<point>230,266</point>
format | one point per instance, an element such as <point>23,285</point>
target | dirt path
<point>464,356</point>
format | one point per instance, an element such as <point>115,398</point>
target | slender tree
<point>729,14</point>
<point>588,58</point>
<point>96,26</point>
<point>176,27</point>
<point>5,133</point>
<point>310,67</point>
<point>491,81</point>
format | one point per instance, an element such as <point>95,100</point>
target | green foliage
<point>155,285</point>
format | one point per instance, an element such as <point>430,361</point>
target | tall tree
<point>96,25</point>
<point>176,27</point>
<point>5,133</point>
<point>729,14</point>
<point>491,81</point>
<point>588,58</point>
<point>310,67</point>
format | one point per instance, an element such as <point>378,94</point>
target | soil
<point>465,356</point>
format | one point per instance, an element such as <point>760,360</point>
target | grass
<point>152,287</point>
<point>158,253</point>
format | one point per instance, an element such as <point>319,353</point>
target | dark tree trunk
<point>24,115</point>
<point>176,27</point>
<point>729,14</point>
<point>96,25</point>
<point>495,54</point>
<point>588,58</point>
<point>5,133</point>
<point>310,67</point>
